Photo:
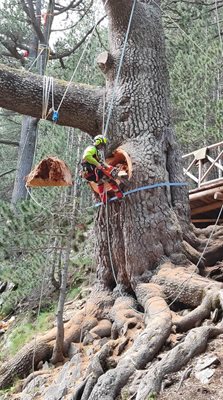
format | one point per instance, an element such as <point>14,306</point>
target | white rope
<point>36,202</point>
<point>36,59</point>
<point>48,87</point>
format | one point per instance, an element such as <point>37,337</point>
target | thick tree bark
<point>149,223</point>
<point>22,92</point>
<point>140,247</point>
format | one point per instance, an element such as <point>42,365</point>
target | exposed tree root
<point>183,285</point>
<point>210,302</point>
<point>101,317</point>
<point>83,321</point>
<point>21,364</point>
<point>194,344</point>
<point>145,347</point>
<point>125,316</point>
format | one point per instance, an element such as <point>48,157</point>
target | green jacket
<point>91,155</point>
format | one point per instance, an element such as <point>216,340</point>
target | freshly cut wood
<point>50,172</point>
<point>121,160</point>
<point>218,196</point>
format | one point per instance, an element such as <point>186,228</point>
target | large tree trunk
<point>140,241</point>
<point>147,224</point>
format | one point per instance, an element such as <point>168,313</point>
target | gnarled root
<point>194,344</point>
<point>145,347</point>
<point>42,348</point>
<point>21,364</point>
<point>125,316</point>
<point>183,285</point>
<point>212,300</point>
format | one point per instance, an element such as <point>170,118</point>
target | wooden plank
<point>208,185</point>
<point>206,208</point>
<point>218,196</point>
<point>206,220</point>
<point>190,165</point>
<point>212,146</point>
<point>205,193</point>
<point>191,176</point>
<point>214,164</point>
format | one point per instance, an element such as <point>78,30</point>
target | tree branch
<point>71,5</point>
<point>7,172</point>
<point>71,51</point>
<point>31,15</point>
<point>9,142</point>
<point>22,92</point>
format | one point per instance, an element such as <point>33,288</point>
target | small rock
<point>3,286</point>
<point>207,361</point>
<point>46,365</point>
<point>56,392</point>
<point>89,352</point>
<point>88,339</point>
<point>103,341</point>
<point>73,350</point>
<point>204,375</point>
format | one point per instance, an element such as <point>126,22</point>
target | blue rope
<point>155,185</point>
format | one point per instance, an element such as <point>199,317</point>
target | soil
<point>191,388</point>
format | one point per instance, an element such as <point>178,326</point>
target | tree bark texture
<point>140,248</point>
<point>148,225</point>
<point>22,92</point>
<point>152,222</point>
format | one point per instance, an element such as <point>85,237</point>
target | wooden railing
<point>205,165</point>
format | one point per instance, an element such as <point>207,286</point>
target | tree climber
<point>95,169</point>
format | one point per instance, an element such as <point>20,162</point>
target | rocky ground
<point>201,379</point>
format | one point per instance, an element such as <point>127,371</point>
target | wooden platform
<point>205,177</point>
<point>206,201</point>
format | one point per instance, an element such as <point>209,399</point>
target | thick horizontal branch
<point>22,92</point>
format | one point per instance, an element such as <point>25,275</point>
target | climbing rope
<point>119,68</point>
<point>36,59</point>
<point>48,87</point>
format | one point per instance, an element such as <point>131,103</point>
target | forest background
<point>34,230</point>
